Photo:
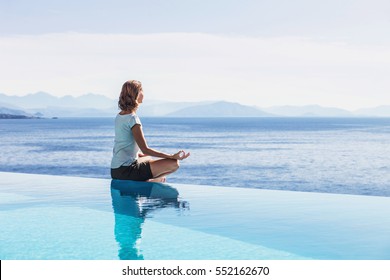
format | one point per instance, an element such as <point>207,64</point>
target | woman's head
<point>131,95</point>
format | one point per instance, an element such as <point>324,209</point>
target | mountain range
<point>47,105</point>
<point>43,104</point>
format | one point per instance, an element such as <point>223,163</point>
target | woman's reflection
<point>132,202</point>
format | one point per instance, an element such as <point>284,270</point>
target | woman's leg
<point>163,167</point>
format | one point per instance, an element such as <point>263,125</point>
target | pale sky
<point>264,53</point>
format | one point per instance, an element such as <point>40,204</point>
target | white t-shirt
<point>125,150</point>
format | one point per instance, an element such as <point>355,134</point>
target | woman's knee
<point>175,164</point>
<point>163,166</point>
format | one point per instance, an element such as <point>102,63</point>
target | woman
<point>127,163</point>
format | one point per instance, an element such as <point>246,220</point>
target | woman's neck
<point>123,112</point>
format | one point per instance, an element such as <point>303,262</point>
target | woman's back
<point>125,149</point>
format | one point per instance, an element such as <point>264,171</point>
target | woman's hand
<point>180,155</point>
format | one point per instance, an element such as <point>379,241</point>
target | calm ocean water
<point>350,156</point>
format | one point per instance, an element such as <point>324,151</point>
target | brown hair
<point>129,94</point>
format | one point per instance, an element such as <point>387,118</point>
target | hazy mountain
<point>39,99</point>
<point>43,100</point>
<point>307,111</point>
<point>10,111</point>
<point>380,111</point>
<point>42,103</point>
<point>219,109</point>
<point>94,105</point>
<point>153,108</point>
<point>9,106</point>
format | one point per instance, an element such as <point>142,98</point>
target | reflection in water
<point>132,202</point>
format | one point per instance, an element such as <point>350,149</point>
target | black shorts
<point>137,171</point>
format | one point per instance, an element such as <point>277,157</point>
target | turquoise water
<point>57,217</point>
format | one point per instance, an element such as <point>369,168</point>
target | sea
<point>326,155</point>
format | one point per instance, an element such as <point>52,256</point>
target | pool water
<point>55,217</point>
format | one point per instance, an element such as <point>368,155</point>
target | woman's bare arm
<point>141,142</point>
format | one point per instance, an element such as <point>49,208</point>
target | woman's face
<point>140,97</point>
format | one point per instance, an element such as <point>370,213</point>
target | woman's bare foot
<point>158,180</point>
